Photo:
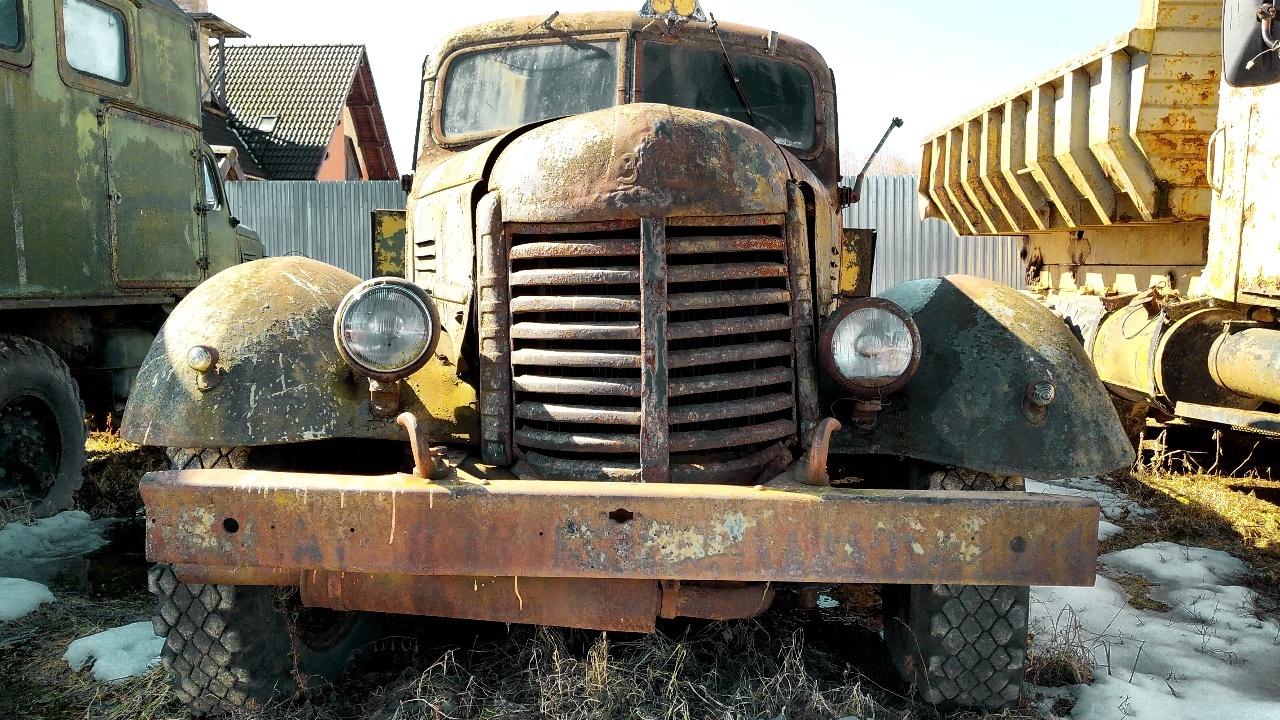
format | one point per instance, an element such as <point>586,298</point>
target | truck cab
<point>630,372</point>
<point>113,212</point>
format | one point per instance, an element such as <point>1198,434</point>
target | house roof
<point>217,131</point>
<point>305,88</point>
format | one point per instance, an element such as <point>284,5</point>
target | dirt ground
<point>794,662</point>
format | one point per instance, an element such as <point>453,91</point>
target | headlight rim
<point>433,322</point>
<point>827,357</point>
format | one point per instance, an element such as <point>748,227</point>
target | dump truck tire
<point>232,648</point>
<point>960,646</point>
<point>42,430</point>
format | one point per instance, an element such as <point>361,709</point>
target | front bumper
<point>591,554</point>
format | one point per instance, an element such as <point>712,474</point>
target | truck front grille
<point>577,353</point>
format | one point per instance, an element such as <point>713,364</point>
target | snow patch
<point>1115,504</point>
<point>19,597</point>
<point>1208,654</point>
<point>33,551</point>
<point>1108,530</point>
<point>117,653</point>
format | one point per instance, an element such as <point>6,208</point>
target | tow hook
<point>425,464</point>
<point>812,468</point>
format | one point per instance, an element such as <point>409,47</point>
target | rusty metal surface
<point>983,344</point>
<point>640,160</point>
<point>780,533</point>
<point>1117,135</point>
<point>589,603</point>
<point>388,243</point>
<point>802,314</point>
<point>655,428</point>
<point>1250,421</point>
<point>1247,362</point>
<point>281,378</point>
<point>494,318</point>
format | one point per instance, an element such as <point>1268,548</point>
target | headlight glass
<point>386,328</point>
<point>872,347</point>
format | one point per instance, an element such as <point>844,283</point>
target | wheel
<point>42,431</point>
<point>235,648</point>
<point>960,646</point>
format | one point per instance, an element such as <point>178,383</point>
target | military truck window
<point>95,40</point>
<point>504,88</point>
<point>212,189</point>
<point>780,93</point>
<point>10,24</point>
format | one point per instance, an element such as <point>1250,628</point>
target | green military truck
<point>112,210</point>
<point>630,372</point>
<point>1142,174</point>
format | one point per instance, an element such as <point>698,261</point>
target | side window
<point>212,188</point>
<point>95,40</point>
<point>10,24</point>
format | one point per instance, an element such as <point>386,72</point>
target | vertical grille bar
<point>495,342</point>
<point>655,437</point>
<point>802,294</point>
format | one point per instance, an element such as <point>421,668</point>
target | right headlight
<point>871,346</point>
<point>386,328</point>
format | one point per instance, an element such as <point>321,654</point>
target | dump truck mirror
<point>1250,42</point>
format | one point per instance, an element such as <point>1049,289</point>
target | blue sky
<point>927,62</point>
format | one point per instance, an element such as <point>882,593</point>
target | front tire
<point>236,648</point>
<point>42,431</point>
<point>960,646</point>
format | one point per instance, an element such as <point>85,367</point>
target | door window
<point>10,24</point>
<point>212,190</point>
<point>95,40</point>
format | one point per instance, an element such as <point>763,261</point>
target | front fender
<point>982,345</point>
<point>281,379</point>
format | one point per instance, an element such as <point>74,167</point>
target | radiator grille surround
<point>721,379</point>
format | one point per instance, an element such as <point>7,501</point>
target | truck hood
<point>639,160</point>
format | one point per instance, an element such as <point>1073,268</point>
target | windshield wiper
<point>728,66</point>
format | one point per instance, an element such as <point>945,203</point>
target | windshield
<point>504,88</point>
<point>780,93</point>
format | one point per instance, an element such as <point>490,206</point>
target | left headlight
<point>871,346</point>
<point>386,328</point>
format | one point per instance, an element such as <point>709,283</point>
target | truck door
<point>156,199</point>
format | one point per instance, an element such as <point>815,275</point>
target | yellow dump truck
<point>1139,175</point>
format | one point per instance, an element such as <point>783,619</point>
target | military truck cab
<point>112,211</point>
<point>633,331</point>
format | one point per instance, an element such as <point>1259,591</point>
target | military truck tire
<point>42,430</point>
<point>960,646</point>
<point>232,648</point>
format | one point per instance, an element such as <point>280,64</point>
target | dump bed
<point>1117,135</point>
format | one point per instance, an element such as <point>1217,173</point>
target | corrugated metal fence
<point>908,248</point>
<point>326,221</point>
<point>329,221</point>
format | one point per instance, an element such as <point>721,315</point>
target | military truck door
<point>156,198</point>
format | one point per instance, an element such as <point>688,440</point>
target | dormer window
<point>267,123</point>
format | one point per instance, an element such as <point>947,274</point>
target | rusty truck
<point>631,372</point>
<point>1139,173</point>
<point>113,210</point>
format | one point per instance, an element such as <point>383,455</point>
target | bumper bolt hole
<point>621,515</point>
<point>1018,544</point>
<point>230,525</point>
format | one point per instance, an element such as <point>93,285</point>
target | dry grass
<point>36,684</point>
<point>1201,509</point>
<point>1061,652</point>
<point>111,474</point>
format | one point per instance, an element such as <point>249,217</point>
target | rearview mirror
<point>1248,60</point>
